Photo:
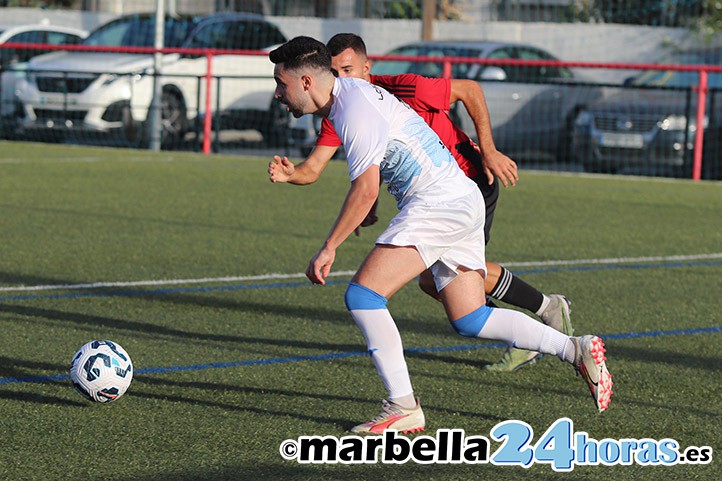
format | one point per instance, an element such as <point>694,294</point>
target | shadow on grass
<point>658,356</point>
<point>39,398</point>
<point>293,471</point>
<point>346,423</point>
<point>337,423</point>
<point>334,315</point>
<point>116,323</point>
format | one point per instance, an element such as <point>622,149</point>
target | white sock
<point>519,330</point>
<point>384,344</point>
<point>544,305</point>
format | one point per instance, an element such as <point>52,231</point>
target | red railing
<point>208,53</point>
<point>701,89</point>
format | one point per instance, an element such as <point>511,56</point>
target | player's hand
<point>320,265</point>
<point>499,165</point>
<point>370,219</point>
<point>280,169</point>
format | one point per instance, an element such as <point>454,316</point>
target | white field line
<point>300,275</point>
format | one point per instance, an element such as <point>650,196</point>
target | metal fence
<point>543,115</point>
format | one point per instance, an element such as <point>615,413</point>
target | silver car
<point>532,108</point>
<point>648,126</point>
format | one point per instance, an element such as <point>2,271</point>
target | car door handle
<point>515,96</point>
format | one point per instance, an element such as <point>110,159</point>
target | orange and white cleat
<point>590,363</point>
<point>395,417</point>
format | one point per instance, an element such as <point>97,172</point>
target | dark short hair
<point>342,41</point>
<point>302,52</point>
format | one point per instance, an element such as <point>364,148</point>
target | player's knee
<point>471,324</point>
<point>358,297</point>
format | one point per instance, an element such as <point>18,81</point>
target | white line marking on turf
<point>300,275</point>
<point>618,260</point>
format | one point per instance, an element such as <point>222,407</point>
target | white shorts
<point>446,235</point>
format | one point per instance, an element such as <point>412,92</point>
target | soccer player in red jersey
<point>431,98</point>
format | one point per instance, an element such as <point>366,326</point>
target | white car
<point>111,93</point>
<point>13,61</point>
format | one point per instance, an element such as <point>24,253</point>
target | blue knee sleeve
<point>363,298</point>
<point>471,324</point>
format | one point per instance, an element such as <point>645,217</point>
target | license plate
<point>625,141</point>
<point>57,101</point>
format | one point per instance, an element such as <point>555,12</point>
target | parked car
<point>108,92</point>
<point>13,62</point>
<point>532,109</point>
<point>649,125</point>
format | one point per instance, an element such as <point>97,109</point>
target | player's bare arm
<point>496,163</point>
<point>280,169</point>
<point>360,198</point>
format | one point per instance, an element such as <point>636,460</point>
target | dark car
<point>649,125</point>
<point>532,108</point>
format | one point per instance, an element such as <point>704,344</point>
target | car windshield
<point>674,78</point>
<point>427,69</point>
<point>139,31</point>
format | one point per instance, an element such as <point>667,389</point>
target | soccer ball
<point>101,371</point>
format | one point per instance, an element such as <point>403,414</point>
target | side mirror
<point>628,81</point>
<point>493,73</point>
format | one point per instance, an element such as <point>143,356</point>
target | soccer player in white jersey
<point>440,225</point>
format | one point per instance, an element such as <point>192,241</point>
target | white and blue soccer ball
<point>101,371</point>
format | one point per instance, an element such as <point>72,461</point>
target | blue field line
<point>276,285</point>
<point>345,355</point>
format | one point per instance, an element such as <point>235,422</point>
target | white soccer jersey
<point>376,128</point>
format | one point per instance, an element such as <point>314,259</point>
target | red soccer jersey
<point>429,97</point>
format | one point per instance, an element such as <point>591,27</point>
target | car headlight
<point>584,119</point>
<point>674,122</point>
<point>679,122</point>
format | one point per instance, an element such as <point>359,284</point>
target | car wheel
<point>173,122</point>
<point>565,152</point>
<point>131,128</point>
<point>275,130</point>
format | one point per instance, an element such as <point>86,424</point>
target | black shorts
<point>490,192</point>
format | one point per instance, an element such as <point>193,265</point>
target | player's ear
<point>306,81</point>
<point>367,67</point>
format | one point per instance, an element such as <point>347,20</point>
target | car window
<point>61,38</point>
<point>544,72</point>
<point>512,72</point>
<point>11,56</point>
<point>256,35</point>
<point>213,35</point>
<point>139,31</point>
<point>672,78</point>
<point>427,69</point>
<point>530,73</point>
<point>28,37</point>
<point>236,35</point>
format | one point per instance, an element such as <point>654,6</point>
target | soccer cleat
<point>556,315</point>
<point>589,362</point>
<point>395,417</point>
<point>514,359</point>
